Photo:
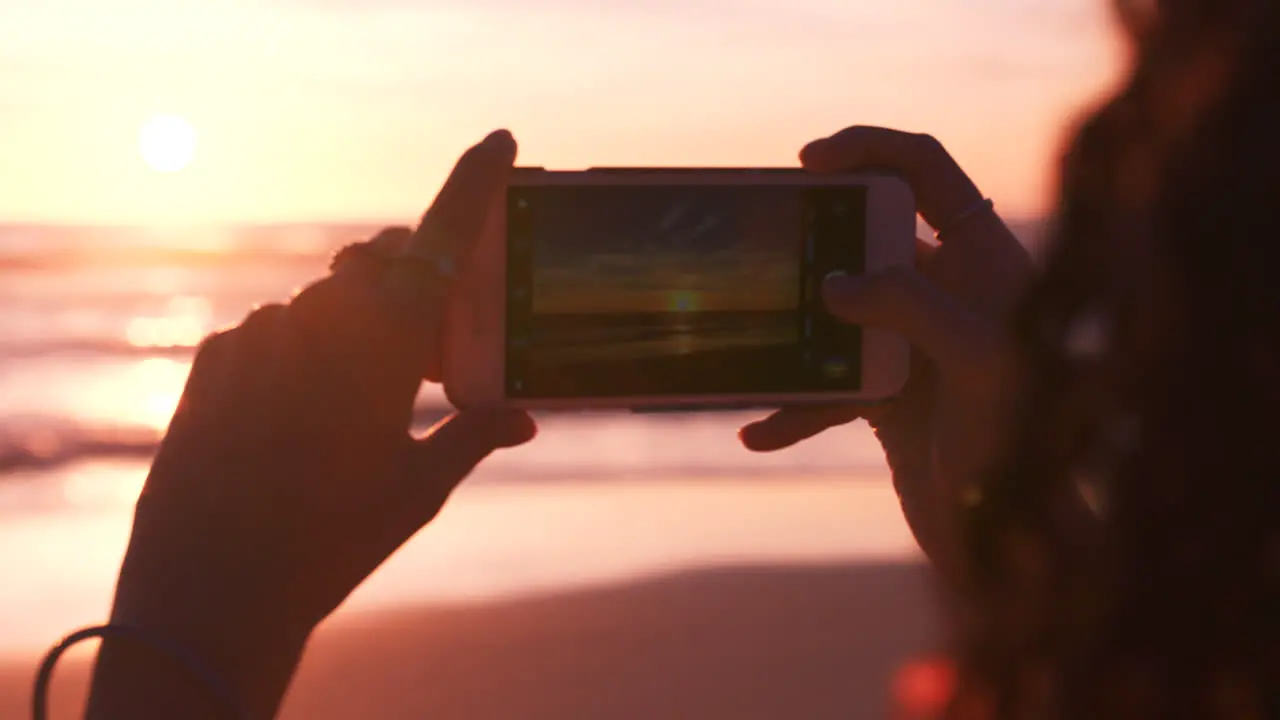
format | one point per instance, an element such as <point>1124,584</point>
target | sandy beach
<point>813,642</point>
<point>755,592</point>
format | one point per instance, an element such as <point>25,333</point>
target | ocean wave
<point>96,347</point>
<point>35,444</point>
<point>47,448</point>
<point>32,248</point>
<point>147,257</point>
<point>570,445</point>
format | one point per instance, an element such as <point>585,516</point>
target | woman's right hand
<point>949,423</point>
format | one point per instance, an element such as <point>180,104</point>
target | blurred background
<point>165,165</point>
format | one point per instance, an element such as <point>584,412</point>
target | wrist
<point>250,661</point>
<point>211,607</point>
<point>252,654</point>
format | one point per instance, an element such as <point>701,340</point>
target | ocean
<point>98,327</point>
<point>97,331</point>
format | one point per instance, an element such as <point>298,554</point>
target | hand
<point>947,426</point>
<point>288,473</point>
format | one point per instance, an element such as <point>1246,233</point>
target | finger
<point>434,363</point>
<point>445,241</point>
<point>980,259</point>
<point>924,252</point>
<point>206,382</point>
<point>433,467</point>
<point>260,349</point>
<point>943,191</point>
<point>442,459</point>
<point>789,426</point>
<point>227,363</point>
<point>235,368</point>
<point>392,240</point>
<point>368,259</point>
<point>905,302</point>
<point>456,218</point>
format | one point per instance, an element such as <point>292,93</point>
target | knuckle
<point>857,139</point>
<point>269,314</point>
<point>324,301</point>
<point>215,344</point>
<point>213,352</point>
<point>392,239</point>
<point>219,344</point>
<point>929,150</point>
<point>927,143</point>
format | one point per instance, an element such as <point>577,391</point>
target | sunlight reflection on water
<point>145,392</point>
<point>119,392</point>
<point>184,324</point>
<point>98,486</point>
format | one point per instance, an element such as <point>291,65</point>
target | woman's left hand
<point>288,473</point>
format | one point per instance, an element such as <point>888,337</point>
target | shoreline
<point>555,537</point>
<point>759,641</point>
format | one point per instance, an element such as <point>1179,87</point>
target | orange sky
<point>354,109</point>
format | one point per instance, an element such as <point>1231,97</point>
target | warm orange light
<point>184,325</point>
<point>141,394</point>
<point>922,689</point>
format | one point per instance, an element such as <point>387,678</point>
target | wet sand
<point>812,642</point>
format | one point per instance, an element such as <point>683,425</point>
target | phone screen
<point>693,290</point>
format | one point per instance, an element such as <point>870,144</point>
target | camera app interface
<point>626,291</point>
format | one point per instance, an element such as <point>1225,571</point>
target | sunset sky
<point>355,109</point>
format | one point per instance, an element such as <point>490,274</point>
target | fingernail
<point>499,137</point>
<point>836,279</point>
<point>500,142</point>
<point>838,284</point>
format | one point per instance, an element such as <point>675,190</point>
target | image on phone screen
<point>633,291</point>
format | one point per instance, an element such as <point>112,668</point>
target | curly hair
<point>1152,344</point>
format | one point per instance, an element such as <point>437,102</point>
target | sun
<point>167,143</point>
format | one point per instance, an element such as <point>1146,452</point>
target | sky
<point>355,109</point>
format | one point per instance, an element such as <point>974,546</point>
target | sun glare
<point>167,143</point>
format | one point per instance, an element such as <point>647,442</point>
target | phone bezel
<point>474,363</point>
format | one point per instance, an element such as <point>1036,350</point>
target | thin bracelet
<point>984,205</point>
<point>40,695</point>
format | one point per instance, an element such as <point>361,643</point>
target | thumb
<point>453,448</point>
<point>903,301</point>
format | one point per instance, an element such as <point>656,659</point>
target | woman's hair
<point>1152,343</point>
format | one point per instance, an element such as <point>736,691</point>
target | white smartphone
<point>663,288</point>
